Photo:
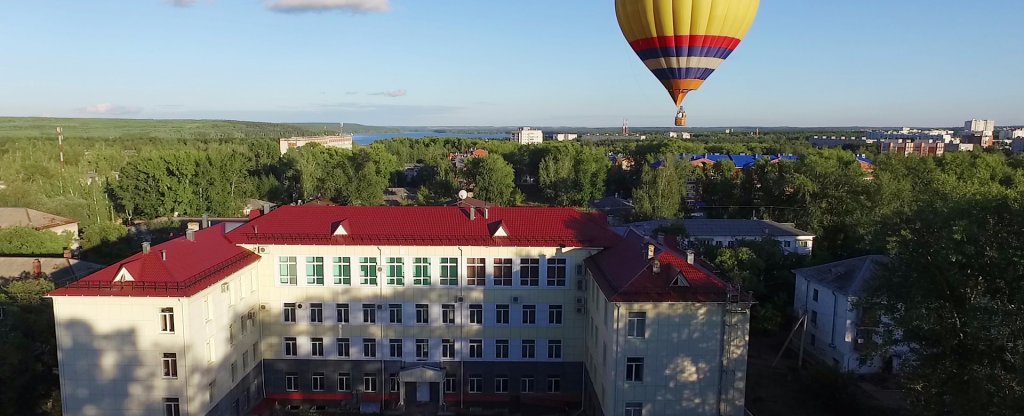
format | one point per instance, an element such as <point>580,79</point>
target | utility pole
<point>60,144</point>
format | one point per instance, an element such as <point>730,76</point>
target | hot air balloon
<point>683,41</point>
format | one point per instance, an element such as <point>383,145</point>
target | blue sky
<point>492,62</point>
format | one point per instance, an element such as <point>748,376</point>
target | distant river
<point>370,138</point>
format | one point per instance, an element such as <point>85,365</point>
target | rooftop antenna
<point>463,194</point>
<point>341,128</point>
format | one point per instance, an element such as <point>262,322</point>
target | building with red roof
<point>391,308</point>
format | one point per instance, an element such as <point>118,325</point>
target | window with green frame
<point>368,271</point>
<point>449,271</point>
<point>315,271</point>
<point>421,271</point>
<point>343,271</point>
<point>288,270</point>
<point>396,271</point>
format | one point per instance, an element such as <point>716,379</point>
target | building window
<point>634,409</point>
<point>814,340</point>
<point>635,369</point>
<point>557,272</point>
<point>393,384</point>
<point>245,359</point>
<point>636,327</point>
<point>342,271</point>
<point>529,348</point>
<point>554,384</point>
<point>529,272</point>
<point>526,385</point>
<point>369,313</point>
<point>291,382</point>
<point>449,271</point>
<point>449,385</point>
<point>448,314</point>
<point>342,313</point>
<point>503,272</point>
<point>234,371</point>
<point>421,271</point>
<point>166,320</point>
<point>288,270</point>
<point>172,407</point>
<point>476,348</point>
<point>317,347</point>
<point>395,348</point>
<point>395,313</point>
<point>448,349</point>
<point>170,365</point>
<point>422,349</point>
<point>344,382</point>
<point>814,319</point>
<point>289,312</point>
<point>804,244</point>
<point>396,271</point>
<point>422,314</point>
<point>476,272</point>
<point>555,314</point>
<point>476,384</point>
<point>317,382</point>
<point>501,314</point>
<point>501,384</point>
<point>368,271</point>
<point>316,313</point>
<point>529,314</point>
<point>344,346</point>
<point>315,271</point>
<point>554,349</point>
<point>501,349</point>
<point>787,244</point>
<point>814,296</point>
<point>369,383</point>
<point>369,348</point>
<point>476,314</point>
<point>291,348</point>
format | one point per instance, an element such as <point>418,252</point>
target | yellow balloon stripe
<point>643,19</point>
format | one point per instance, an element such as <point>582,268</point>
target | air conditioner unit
<point>252,315</point>
<point>261,250</point>
<point>515,300</point>
<point>579,270</point>
<point>579,310</point>
<point>264,306</point>
<point>459,299</point>
<point>298,305</point>
<point>580,285</point>
<point>580,301</point>
<point>225,288</point>
<point>380,307</point>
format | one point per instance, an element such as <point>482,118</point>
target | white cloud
<point>359,6</point>
<point>393,94</point>
<point>183,3</point>
<point>108,109</point>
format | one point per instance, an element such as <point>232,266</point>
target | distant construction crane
<point>625,127</point>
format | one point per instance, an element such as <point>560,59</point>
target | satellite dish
<point>463,194</point>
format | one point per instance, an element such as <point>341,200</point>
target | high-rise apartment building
<point>368,308</point>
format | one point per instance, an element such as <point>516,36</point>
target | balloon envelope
<point>683,41</point>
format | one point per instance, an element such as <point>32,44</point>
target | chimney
<point>145,247</point>
<point>163,255</point>
<point>67,253</point>
<point>266,208</point>
<point>650,251</point>
<point>206,221</point>
<point>690,256</point>
<point>487,213</point>
<point>472,213</point>
<point>37,268</point>
<point>190,235</point>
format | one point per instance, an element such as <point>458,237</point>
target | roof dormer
<point>498,230</point>
<point>680,281</point>
<point>123,276</point>
<point>341,228</point>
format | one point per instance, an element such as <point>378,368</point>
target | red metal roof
<point>624,274</point>
<point>427,226</point>
<point>191,266</point>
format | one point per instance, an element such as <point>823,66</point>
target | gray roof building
<point>849,277</point>
<point>742,228</point>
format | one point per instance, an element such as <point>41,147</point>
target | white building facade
<point>382,308</point>
<point>726,233</point>
<point>526,135</point>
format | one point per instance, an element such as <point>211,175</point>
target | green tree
<point>574,175</point>
<point>660,195</point>
<point>441,184</point>
<point>494,180</point>
<point>25,241</point>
